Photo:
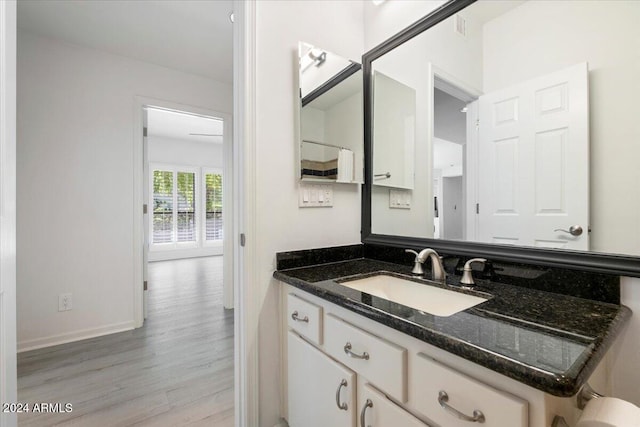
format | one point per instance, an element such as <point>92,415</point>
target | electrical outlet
<point>65,302</point>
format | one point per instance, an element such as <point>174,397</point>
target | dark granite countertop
<point>546,340</point>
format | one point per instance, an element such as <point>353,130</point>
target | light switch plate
<point>315,195</point>
<point>399,199</point>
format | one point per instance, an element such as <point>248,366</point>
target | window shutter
<point>213,183</point>
<point>186,190</point>
<point>162,206</point>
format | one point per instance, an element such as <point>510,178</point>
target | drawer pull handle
<point>295,317</point>
<point>342,406</point>
<point>443,398</point>
<point>368,404</point>
<point>347,349</point>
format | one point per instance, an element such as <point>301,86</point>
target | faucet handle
<point>467,276</point>
<point>417,266</point>
<point>411,251</point>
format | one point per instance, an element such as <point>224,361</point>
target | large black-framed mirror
<point>557,70</point>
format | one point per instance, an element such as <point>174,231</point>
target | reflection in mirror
<point>524,130</point>
<point>394,114</point>
<point>331,134</point>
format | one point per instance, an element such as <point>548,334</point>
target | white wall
<point>344,127</point>
<point>182,152</point>
<point>197,154</point>
<point>615,130</point>
<point>312,128</point>
<point>386,19</point>
<point>280,224</point>
<point>75,179</point>
<point>451,55</point>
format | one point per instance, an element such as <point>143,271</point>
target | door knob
<point>574,230</point>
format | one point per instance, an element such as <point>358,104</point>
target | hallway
<point>176,370</point>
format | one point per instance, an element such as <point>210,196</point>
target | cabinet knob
<point>443,398</point>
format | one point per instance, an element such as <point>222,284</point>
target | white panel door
<point>534,162</point>
<point>321,392</point>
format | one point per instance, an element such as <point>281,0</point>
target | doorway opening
<point>185,192</point>
<point>454,144</point>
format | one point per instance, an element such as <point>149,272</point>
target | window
<point>162,207</point>
<point>186,207</point>
<point>213,200</point>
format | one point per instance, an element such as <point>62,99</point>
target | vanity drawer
<point>379,361</point>
<point>430,379</point>
<point>304,318</point>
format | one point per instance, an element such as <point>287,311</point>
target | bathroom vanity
<point>513,360</point>
<point>486,133</point>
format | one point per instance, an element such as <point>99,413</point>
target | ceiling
<point>343,90</point>
<point>190,36</point>
<point>450,123</point>
<point>485,11</point>
<point>181,126</point>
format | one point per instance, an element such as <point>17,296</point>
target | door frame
<point>8,108</point>
<point>247,277</point>
<point>451,85</point>
<point>139,161</point>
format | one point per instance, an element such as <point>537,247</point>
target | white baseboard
<point>68,337</point>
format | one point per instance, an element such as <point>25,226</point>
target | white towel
<point>345,166</point>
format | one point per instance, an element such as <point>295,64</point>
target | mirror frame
<point>598,262</point>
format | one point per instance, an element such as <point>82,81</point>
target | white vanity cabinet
<point>392,379</point>
<point>322,391</point>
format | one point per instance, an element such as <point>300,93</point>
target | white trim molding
<point>79,335</point>
<point>244,180</point>
<point>8,376</point>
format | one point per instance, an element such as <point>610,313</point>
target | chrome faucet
<point>436,263</point>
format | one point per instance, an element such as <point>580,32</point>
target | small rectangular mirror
<point>331,145</point>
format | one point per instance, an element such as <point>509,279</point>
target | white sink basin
<point>430,299</point>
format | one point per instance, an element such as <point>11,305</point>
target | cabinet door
<point>321,391</point>
<point>375,410</point>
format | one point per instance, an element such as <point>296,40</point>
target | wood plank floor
<point>177,370</point>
